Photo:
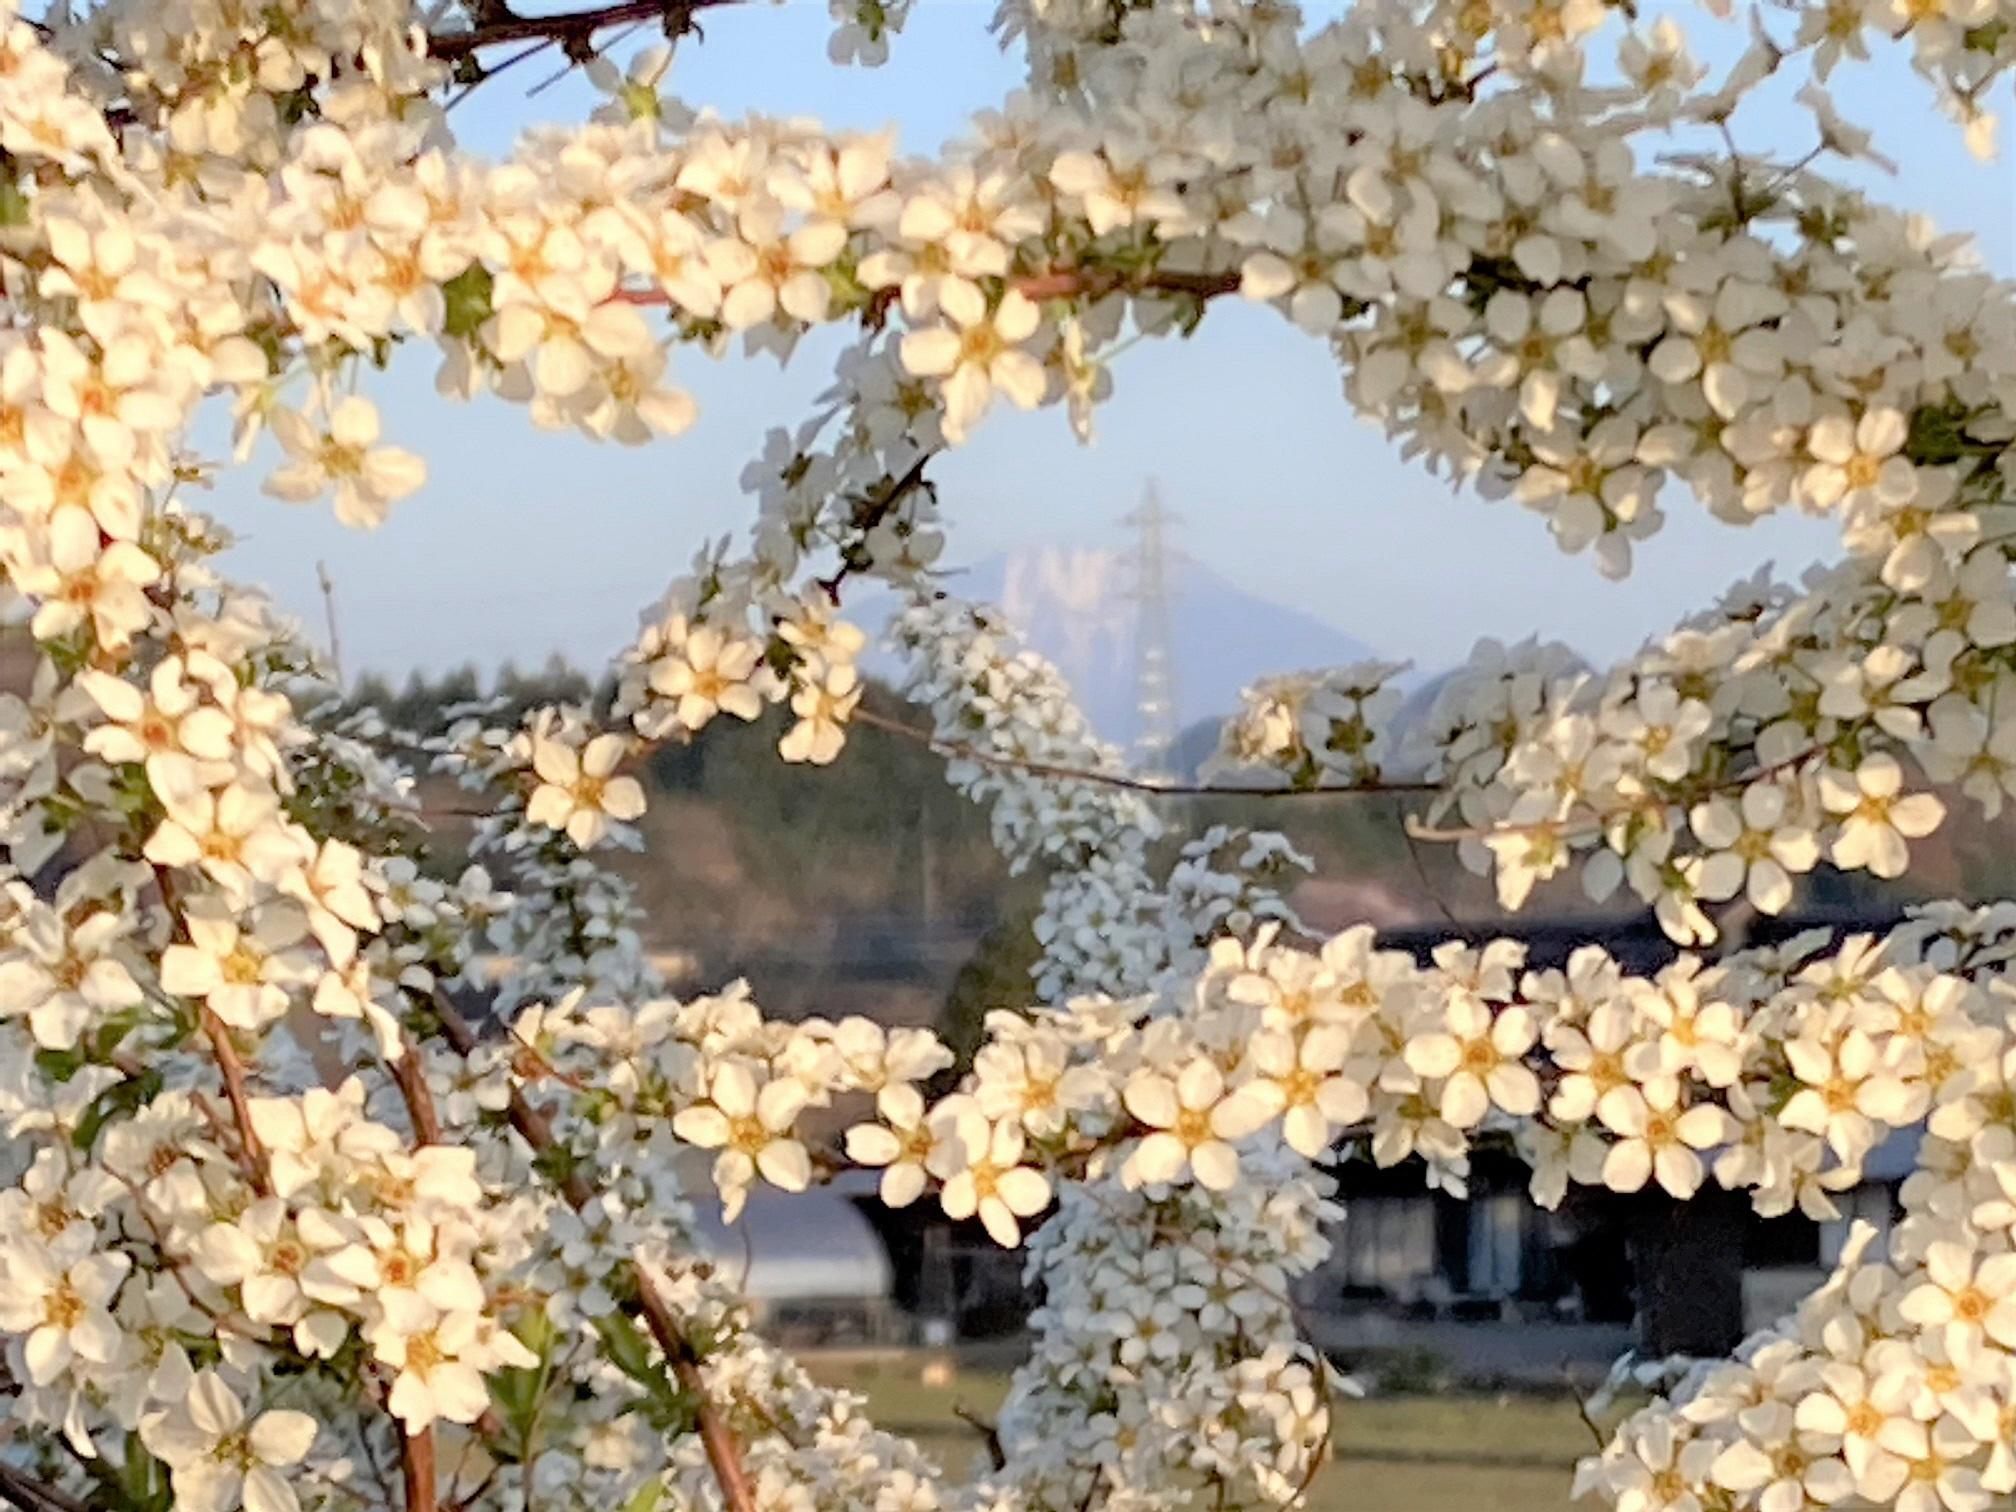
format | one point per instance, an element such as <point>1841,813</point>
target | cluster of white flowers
<point>1016,744</point>
<point>1895,1385</point>
<point>1144,1373</point>
<point>286,1228</point>
<point>1319,729</point>
<point>1775,1071</point>
<point>1731,757</point>
<point>686,668</point>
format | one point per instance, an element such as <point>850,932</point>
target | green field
<point>1393,1454</point>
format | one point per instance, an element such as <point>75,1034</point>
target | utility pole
<point>1155,695</point>
<point>329,613</point>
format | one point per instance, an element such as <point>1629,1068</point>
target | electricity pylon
<point>1155,695</point>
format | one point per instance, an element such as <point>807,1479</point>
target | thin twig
<point>568,28</point>
<point>1582,1408</point>
<point>961,750</point>
<point>724,1455</point>
<point>582,56</point>
<point>523,55</point>
<point>996,1455</point>
<point>233,1071</point>
<point>418,1473</point>
<point>1051,283</point>
<point>30,1494</point>
<point>1594,821</point>
<point>131,1066</point>
<point>874,512</point>
<point>1434,895</point>
<point>1735,174</point>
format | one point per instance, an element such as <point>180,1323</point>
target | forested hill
<point>813,881</point>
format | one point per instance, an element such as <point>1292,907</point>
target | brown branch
<point>129,1065</point>
<point>1053,283</point>
<point>961,750</point>
<point>1595,821</point>
<point>233,1071</point>
<point>416,1468</point>
<point>1094,283</point>
<point>20,1489</point>
<point>229,1066</point>
<point>724,1455</point>
<point>497,27</point>
<point>418,1476</point>
<point>417,1458</point>
<point>871,514</point>
<point>412,1079</point>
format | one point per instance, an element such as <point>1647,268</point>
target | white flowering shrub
<point>287,1222</point>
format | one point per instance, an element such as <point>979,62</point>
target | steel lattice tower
<point>1154,655</point>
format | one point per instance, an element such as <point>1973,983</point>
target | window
<point>1871,1203</point>
<point>1497,1244</point>
<point>1388,1244</point>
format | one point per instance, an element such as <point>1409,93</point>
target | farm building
<point>811,1266</point>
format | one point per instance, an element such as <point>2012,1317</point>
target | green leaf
<point>668,1409</point>
<point>468,301</point>
<point>518,1394</point>
<point>845,287</point>
<point>203,1349</point>
<point>143,1480</point>
<point>1938,435</point>
<point>59,1065</point>
<point>626,1349</point>
<point>120,1101</point>
<point>297,105</point>
<point>103,1040</point>
<point>536,1331</point>
<point>1985,38</point>
<point>556,1163</point>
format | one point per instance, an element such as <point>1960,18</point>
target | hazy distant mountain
<point>1076,605</point>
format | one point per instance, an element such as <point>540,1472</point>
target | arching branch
<point>962,751</point>
<point>27,1493</point>
<point>498,26</point>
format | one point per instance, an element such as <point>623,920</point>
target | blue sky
<point>525,542</point>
